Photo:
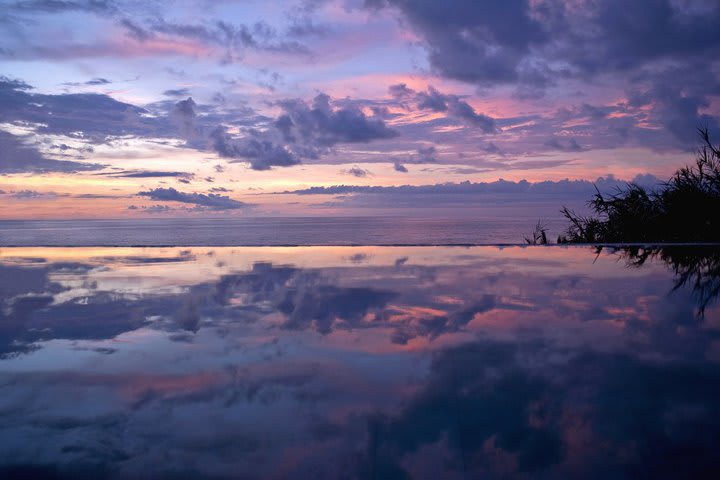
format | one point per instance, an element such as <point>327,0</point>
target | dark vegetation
<point>695,267</point>
<point>686,208</point>
<point>539,235</point>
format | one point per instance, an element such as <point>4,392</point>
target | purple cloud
<point>212,201</point>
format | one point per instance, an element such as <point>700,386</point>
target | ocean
<point>272,231</point>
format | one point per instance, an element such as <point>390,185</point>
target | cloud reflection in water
<point>296,363</point>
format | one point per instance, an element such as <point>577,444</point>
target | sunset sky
<point>139,108</point>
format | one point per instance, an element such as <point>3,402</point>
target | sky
<point>158,108</point>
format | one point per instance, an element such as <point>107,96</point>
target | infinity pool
<point>359,362</point>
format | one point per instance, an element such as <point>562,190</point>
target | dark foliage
<point>696,267</point>
<point>686,208</point>
<point>539,236</point>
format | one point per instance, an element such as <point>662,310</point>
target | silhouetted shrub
<point>539,236</point>
<point>686,208</point>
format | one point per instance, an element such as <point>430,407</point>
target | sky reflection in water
<point>353,362</point>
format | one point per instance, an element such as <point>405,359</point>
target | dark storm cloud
<point>303,131</point>
<point>624,36</point>
<point>516,41</point>
<point>320,124</point>
<point>261,153</point>
<point>212,201</point>
<point>659,50</point>
<point>677,99</point>
<point>476,42</point>
<point>88,116</point>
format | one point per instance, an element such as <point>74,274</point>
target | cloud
<point>135,31</point>
<point>180,92</point>
<point>324,305</point>
<point>33,194</point>
<point>89,117</point>
<point>426,154</point>
<point>534,46</point>
<point>157,209</point>
<point>98,195</point>
<point>232,39</point>
<point>530,389</point>
<point>678,101</point>
<point>570,146</point>
<point>93,82</point>
<point>18,157</point>
<point>474,42</point>
<point>147,174</point>
<point>320,124</point>
<point>261,153</point>
<point>98,81</point>
<point>183,116</point>
<point>302,131</point>
<point>399,167</point>
<point>521,42</point>
<point>149,28</point>
<point>453,105</point>
<point>469,193</point>
<point>357,172</point>
<point>212,201</point>
<point>59,6</point>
